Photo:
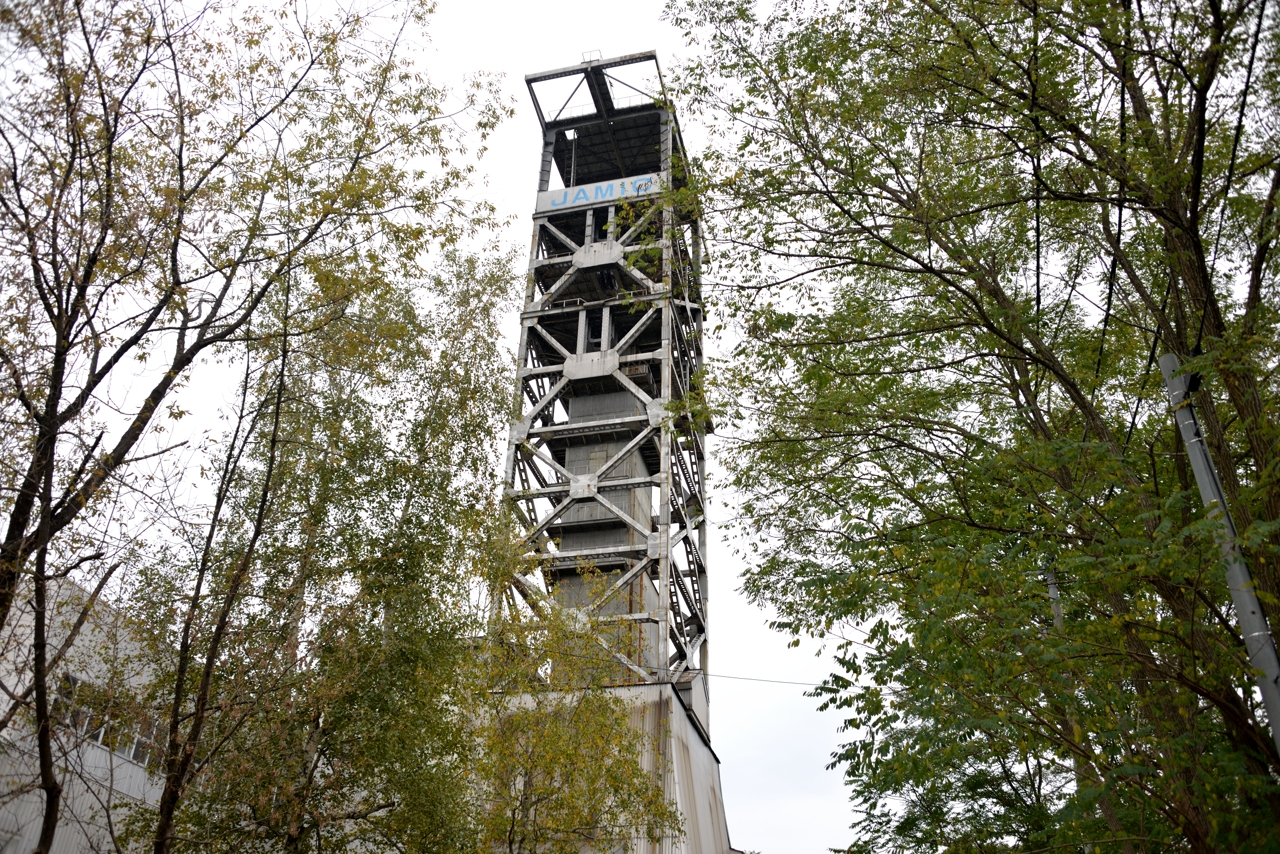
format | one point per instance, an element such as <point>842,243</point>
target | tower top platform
<point>597,89</point>
<point>604,117</point>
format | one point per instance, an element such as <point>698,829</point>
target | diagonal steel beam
<point>559,235</point>
<point>547,399</point>
<point>550,518</point>
<point>560,284</point>
<point>622,514</point>
<point>634,332</point>
<point>550,339</point>
<point>630,386</point>
<point>635,443</point>
<point>635,229</point>
<point>617,586</point>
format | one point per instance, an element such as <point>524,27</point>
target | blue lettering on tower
<point>597,193</point>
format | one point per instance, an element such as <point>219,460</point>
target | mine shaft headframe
<point>602,466</point>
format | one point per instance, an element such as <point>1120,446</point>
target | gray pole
<point>1253,622</point>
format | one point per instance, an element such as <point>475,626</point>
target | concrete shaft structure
<point>606,463</point>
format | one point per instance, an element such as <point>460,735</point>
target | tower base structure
<point>690,768</point>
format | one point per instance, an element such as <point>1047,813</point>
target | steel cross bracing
<point>605,466</point>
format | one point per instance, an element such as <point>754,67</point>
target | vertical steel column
<point>509,463</point>
<point>548,152</point>
<point>664,442</point>
<point>695,439</point>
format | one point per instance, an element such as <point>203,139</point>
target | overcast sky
<point>772,743</point>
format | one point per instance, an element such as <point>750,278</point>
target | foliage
<point>343,605</point>
<point>167,170</point>
<point>564,764</point>
<point>959,233</point>
<point>200,197</point>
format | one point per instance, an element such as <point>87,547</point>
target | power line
<point>755,679</point>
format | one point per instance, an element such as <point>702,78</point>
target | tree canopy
<point>955,236</point>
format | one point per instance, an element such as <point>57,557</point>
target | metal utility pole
<point>1258,639</point>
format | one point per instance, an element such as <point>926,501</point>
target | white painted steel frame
<point>669,547</point>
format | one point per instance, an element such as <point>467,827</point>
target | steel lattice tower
<point>606,464</point>
<point>606,470</point>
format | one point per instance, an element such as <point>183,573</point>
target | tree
<point>959,234</point>
<point>184,185</point>
<point>166,170</point>
<point>564,763</point>
<point>318,615</point>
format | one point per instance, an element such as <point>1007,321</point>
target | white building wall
<point>99,784</point>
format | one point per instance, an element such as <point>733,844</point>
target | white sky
<point>772,743</point>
